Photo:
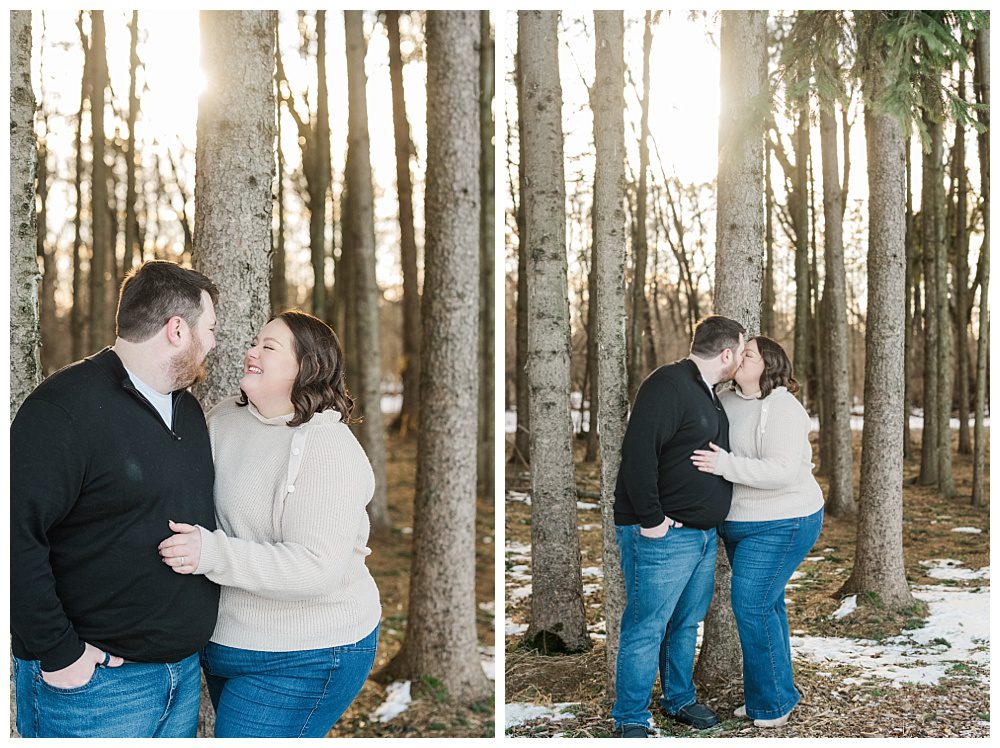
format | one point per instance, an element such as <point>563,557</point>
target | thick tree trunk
<point>609,303</point>
<point>410,409</point>
<point>639,339</point>
<point>800,220</point>
<point>485,462</point>
<point>930,174</point>
<point>878,563</point>
<point>836,380</point>
<point>522,437</point>
<point>234,171</point>
<point>739,264</point>
<point>558,622</point>
<point>361,216</point>
<point>102,257</point>
<point>441,624</point>
<point>982,84</point>
<point>25,365</point>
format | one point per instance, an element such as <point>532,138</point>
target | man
<point>103,454</point>
<point>669,576</point>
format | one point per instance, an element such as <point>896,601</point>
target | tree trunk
<point>361,218</point>
<point>594,377</point>
<point>487,67</point>
<point>739,264</point>
<point>908,337</point>
<point>47,291</point>
<point>131,221</point>
<point>522,437</point>
<point>943,318</point>
<point>441,624</point>
<point>319,177</point>
<point>930,173</point>
<point>609,303</point>
<point>410,409</point>
<point>77,323</point>
<point>558,623</point>
<point>982,85</point>
<point>638,357</point>
<point>25,365</point>
<point>836,380</point>
<point>878,572</point>
<point>234,173</point>
<point>962,282</point>
<point>102,253</point>
<point>800,220</point>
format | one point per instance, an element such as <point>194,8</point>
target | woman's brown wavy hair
<point>321,383</point>
<point>777,368</point>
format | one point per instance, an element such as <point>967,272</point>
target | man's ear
<point>176,330</point>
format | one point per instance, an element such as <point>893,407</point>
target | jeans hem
<point>775,713</point>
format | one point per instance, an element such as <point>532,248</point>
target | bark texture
<point>739,262</point>
<point>609,275</point>
<point>441,625</point>
<point>25,365</point>
<point>234,171</point>
<point>522,441</point>
<point>930,175</point>
<point>878,571</point>
<point>557,614</point>
<point>361,228</point>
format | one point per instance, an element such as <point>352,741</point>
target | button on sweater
<point>770,465</point>
<point>293,532</point>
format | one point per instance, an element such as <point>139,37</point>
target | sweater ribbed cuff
<point>209,552</point>
<point>721,463</point>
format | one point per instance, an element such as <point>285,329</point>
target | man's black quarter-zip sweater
<point>674,414</point>
<point>95,476</point>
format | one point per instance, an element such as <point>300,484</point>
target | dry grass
<point>957,707</point>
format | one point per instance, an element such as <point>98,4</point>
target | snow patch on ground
<point>514,629</point>
<point>519,496</point>
<point>967,530</point>
<point>517,550</point>
<point>957,633</point>
<point>397,701</point>
<point>587,505</point>
<point>488,659</point>
<point>591,589</point>
<point>587,528</point>
<point>519,593</point>
<point>950,568</point>
<point>592,571</point>
<point>518,713</point>
<point>490,607</point>
<point>814,558</point>
<point>518,573</point>
<point>848,606</point>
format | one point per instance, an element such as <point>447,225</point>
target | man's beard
<point>730,373</point>
<point>188,367</point>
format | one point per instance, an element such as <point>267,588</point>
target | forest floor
<point>869,673</point>
<point>431,713</point>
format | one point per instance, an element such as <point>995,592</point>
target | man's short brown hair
<point>714,334</point>
<point>156,291</point>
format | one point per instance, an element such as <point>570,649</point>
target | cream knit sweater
<point>770,465</point>
<point>291,545</point>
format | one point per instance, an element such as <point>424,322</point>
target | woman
<point>299,612</point>
<point>774,520</point>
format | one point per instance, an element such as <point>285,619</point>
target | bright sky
<point>169,110</point>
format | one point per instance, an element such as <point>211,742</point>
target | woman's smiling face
<point>269,365</point>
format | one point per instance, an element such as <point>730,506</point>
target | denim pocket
<point>67,691</point>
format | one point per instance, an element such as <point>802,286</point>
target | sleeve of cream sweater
<point>320,524</point>
<point>786,434</point>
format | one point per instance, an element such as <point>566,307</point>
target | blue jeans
<point>763,556</point>
<point>135,700</point>
<point>298,694</point>
<point>668,588</point>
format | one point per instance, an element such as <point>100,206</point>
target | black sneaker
<point>632,731</point>
<point>696,715</point>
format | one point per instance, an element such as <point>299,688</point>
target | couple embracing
<point>697,464</point>
<point>148,545</point>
